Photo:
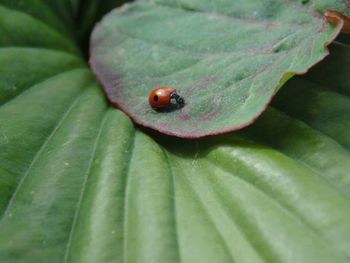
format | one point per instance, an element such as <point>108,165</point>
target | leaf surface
<point>225,58</point>
<point>80,183</point>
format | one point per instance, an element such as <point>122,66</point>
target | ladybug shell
<point>160,97</point>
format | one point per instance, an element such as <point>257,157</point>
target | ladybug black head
<point>180,102</point>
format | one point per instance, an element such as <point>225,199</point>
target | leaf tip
<point>334,17</point>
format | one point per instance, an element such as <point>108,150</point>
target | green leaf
<point>334,71</point>
<point>226,58</point>
<point>87,12</point>
<point>80,183</point>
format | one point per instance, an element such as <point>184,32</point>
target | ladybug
<point>165,98</point>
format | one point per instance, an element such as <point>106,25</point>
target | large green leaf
<point>226,58</point>
<point>80,183</point>
<point>87,12</point>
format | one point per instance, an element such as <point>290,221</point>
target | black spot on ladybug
<point>155,98</point>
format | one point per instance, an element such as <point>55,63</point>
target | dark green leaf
<point>80,183</point>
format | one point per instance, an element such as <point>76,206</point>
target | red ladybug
<point>165,98</point>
